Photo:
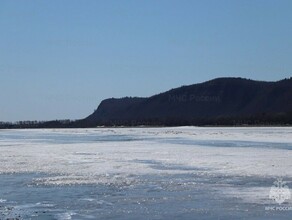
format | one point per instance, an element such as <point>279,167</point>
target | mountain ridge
<point>225,97</point>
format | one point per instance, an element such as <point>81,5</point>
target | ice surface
<point>232,163</point>
<point>147,151</point>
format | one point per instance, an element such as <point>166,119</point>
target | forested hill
<point>222,101</point>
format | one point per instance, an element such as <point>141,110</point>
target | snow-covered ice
<point>148,173</point>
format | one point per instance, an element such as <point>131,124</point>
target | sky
<point>60,59</point>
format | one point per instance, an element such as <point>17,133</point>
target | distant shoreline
<point>17,126</point>
<point>221,102</point>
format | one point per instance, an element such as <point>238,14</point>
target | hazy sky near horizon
<point>59,59</point>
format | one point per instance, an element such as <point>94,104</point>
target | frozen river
<point>146,173</point>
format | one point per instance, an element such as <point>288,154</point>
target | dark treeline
<point>40,124</point>
<point>257,120</point>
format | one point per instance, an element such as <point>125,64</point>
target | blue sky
<point>59,59</point>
